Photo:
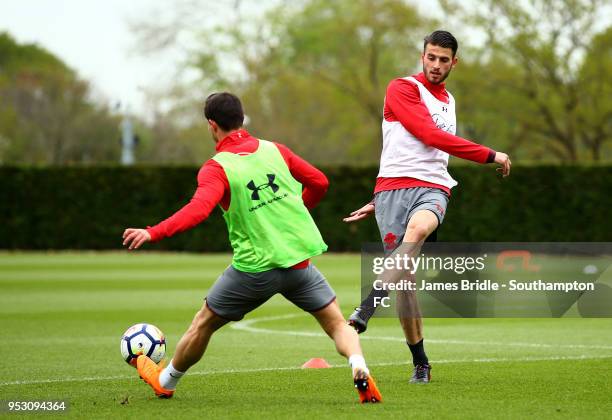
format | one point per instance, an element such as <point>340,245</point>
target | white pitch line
<point>248,326</point>
<point>286,368</point>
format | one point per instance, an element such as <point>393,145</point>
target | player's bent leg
<point>347,344</point>
<point>192,345</point>
<point>331,320</point>
<point>360,317</point>
<point>309,290</point>
<point>416,233</point>
<point>189,351</point>
<point>420,226</point>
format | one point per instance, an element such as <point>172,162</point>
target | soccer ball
<point>144,339</point>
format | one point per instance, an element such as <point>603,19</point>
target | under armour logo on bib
<point>255,189</point>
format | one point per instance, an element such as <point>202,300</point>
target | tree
<point>333,66</point>
<point>595,112</point>
<point>46,116</point>
<point>311,73</point>
<point>543,66</point>
<point>532,77</point>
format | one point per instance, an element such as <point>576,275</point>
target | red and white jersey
<point>405,155</point>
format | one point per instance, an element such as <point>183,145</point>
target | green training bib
<point>268,224</point>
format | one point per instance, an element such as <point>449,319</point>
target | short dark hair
<point>442,39</point>
<point>225,109</point>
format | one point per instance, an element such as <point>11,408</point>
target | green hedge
<point>88,207</point>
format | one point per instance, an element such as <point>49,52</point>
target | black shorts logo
<point>256,188</point>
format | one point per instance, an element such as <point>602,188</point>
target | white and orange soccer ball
<point>144,339</point>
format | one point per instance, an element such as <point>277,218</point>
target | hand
<point>134,238</point>
<point>362,213</point>
<point>504,160</point>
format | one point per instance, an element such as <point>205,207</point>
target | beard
<point>441,77</point>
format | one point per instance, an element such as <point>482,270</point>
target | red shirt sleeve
<point>213,189</point>
<point>314,181</point>
<point>212,186</point>
<point>403,104</point>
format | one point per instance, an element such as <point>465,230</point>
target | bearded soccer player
<point>413,184</point>
<point>265,191</point>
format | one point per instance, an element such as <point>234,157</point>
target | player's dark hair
<point>442,39</point>
<point>225,109</point>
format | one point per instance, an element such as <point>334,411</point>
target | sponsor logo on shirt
<point>256,188</point>
<point>441,122</point>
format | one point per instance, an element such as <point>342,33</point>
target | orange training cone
<point>316,363</point>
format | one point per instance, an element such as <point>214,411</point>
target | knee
<point>416,233</point>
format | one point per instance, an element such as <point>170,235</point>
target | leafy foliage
<point>538,84</point>
<point>46,116</point>
<point>531,78</point>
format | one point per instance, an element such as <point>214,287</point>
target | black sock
<point>369,301</point>
<point>418,353</point>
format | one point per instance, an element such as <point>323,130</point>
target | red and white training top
<point>405,155</point>
<point>419,128</point>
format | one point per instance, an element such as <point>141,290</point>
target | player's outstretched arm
<point>503,160</point>
<point>135,238</point>
<point>359,214</point>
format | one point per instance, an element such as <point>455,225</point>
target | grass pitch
<point>62,317</point>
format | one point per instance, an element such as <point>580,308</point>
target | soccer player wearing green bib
<point>265,191</point>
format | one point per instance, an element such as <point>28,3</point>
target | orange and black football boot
<point>149,372</point>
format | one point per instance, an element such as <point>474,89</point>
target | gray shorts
<point>236,293</point>
<point>394,209</point>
